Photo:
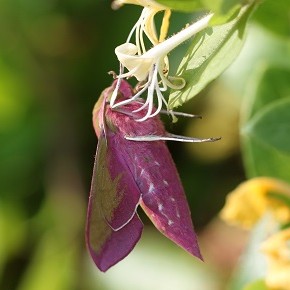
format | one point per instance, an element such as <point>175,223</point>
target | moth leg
<point>170,137</point>
<point>174,113</point>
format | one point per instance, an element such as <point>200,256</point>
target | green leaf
<point>269,85</point>
<point>218,6</point>
<point>263,160</point>
<point>265,141</point>
<point>211,52</point>
<point>274,15</point>
<point>266,126</point>
<point>272,126</point>
<point>182,5</point>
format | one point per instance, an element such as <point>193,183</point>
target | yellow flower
<point>277,249</point>
<point>252,199</point>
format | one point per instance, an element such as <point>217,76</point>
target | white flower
<point>151,67</point>
<point>145,23</point>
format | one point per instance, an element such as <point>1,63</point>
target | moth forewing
<point>113,226</point>
<point>107,246</point>
<point>163,198</point>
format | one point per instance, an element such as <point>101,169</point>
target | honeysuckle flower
<point>145,24</point>
<point>252,199</point>
<point>277,250</point>
<point>151,67</point>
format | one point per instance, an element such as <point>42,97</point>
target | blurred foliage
<point>266,150</point>
<point>263,72</point>
<point>54,58</point>
<point>221,8</point>
<point>210,53</point>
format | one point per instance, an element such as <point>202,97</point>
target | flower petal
<point>278,253</point>
<point>137,66</point>
<point>251,199</point>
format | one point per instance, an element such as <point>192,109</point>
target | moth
<point>133,167</point>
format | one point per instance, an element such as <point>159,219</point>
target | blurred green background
<point>54,59</point>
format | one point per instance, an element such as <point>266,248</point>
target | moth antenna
<point>113,74</point>
<point>171,137</point>
<point>124,111</point>
<point>117,87</point>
